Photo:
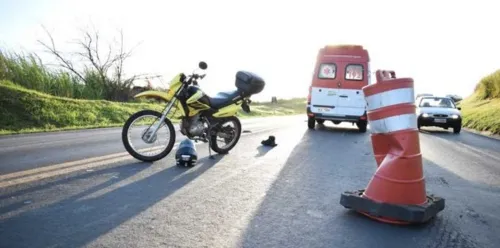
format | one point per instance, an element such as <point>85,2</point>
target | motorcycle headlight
<point>454,116</point>
<point>425,115</point>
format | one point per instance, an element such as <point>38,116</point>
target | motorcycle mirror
<point>203,65</point>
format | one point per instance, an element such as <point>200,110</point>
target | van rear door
<point>351,101</point>
<point>324,99</point>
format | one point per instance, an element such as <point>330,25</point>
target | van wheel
<point>362,126</point>
<point>336,122</point>
<point>320,122</point>
<point>457,129</point>
<point>311,122</point>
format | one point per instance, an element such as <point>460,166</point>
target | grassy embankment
<point>23,111</point>
<point>481,110</point>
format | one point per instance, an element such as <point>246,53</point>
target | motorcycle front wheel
<point>137,142</point>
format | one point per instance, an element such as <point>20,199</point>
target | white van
<point>336,92</point>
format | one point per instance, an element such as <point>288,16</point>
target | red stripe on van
<point>333,84</point>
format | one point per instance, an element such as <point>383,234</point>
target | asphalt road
<point>74,189</point>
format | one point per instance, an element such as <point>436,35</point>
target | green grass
<point>24,111</point>
<point>481,115</point>
<point>481,111</point>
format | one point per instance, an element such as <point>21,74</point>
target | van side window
<point>327,71</point>
<point>354,72</point>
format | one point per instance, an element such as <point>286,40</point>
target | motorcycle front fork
<point>155,127</point>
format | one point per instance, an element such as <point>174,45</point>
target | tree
<point>102,72</point>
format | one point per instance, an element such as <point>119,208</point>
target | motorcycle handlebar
<point>193,77</point>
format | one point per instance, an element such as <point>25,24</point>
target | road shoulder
<point>482,133</point>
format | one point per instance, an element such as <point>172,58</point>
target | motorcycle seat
<point>223,99</point>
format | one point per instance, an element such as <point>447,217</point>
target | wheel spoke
<point>138,136</point>
<point>227,134</point>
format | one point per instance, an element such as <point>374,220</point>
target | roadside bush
<point>489,86</point>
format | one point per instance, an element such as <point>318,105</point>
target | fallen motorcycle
<point>202,118</point>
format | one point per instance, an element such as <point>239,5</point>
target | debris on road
<point>271,141</point>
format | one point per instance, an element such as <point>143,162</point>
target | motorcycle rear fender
<point>227,111</point>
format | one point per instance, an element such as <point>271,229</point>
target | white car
<point>438,112</point>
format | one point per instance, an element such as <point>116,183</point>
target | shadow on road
<point>302,209</point>
<point>74,222</point>
<point>124,171</point>
<point>262,150</point>
<point>431,130</point>
<point>342,128</point>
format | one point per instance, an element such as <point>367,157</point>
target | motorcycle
<point>202,118</point>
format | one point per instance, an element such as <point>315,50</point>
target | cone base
<point>389,221</point>
<point>392,213</point>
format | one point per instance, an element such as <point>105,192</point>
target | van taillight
<point>363,117</point>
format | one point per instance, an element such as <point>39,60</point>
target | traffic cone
<point>396,193</point>
<point>380,147</point>
<point>380,143</point>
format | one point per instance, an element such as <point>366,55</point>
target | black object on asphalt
<point>269,142</point>
<point>186,154</point>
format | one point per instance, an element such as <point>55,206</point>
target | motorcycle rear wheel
<point>233,141</point>
<point>133,151</point>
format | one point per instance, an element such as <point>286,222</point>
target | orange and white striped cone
<point>396,193</point>
<point>381,143</point>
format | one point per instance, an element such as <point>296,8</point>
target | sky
<point>445,46</point>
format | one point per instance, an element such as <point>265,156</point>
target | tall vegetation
<point>29,72</point>
<point>89,72</point>
<point>489,86</point>
<point>481,111</point>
